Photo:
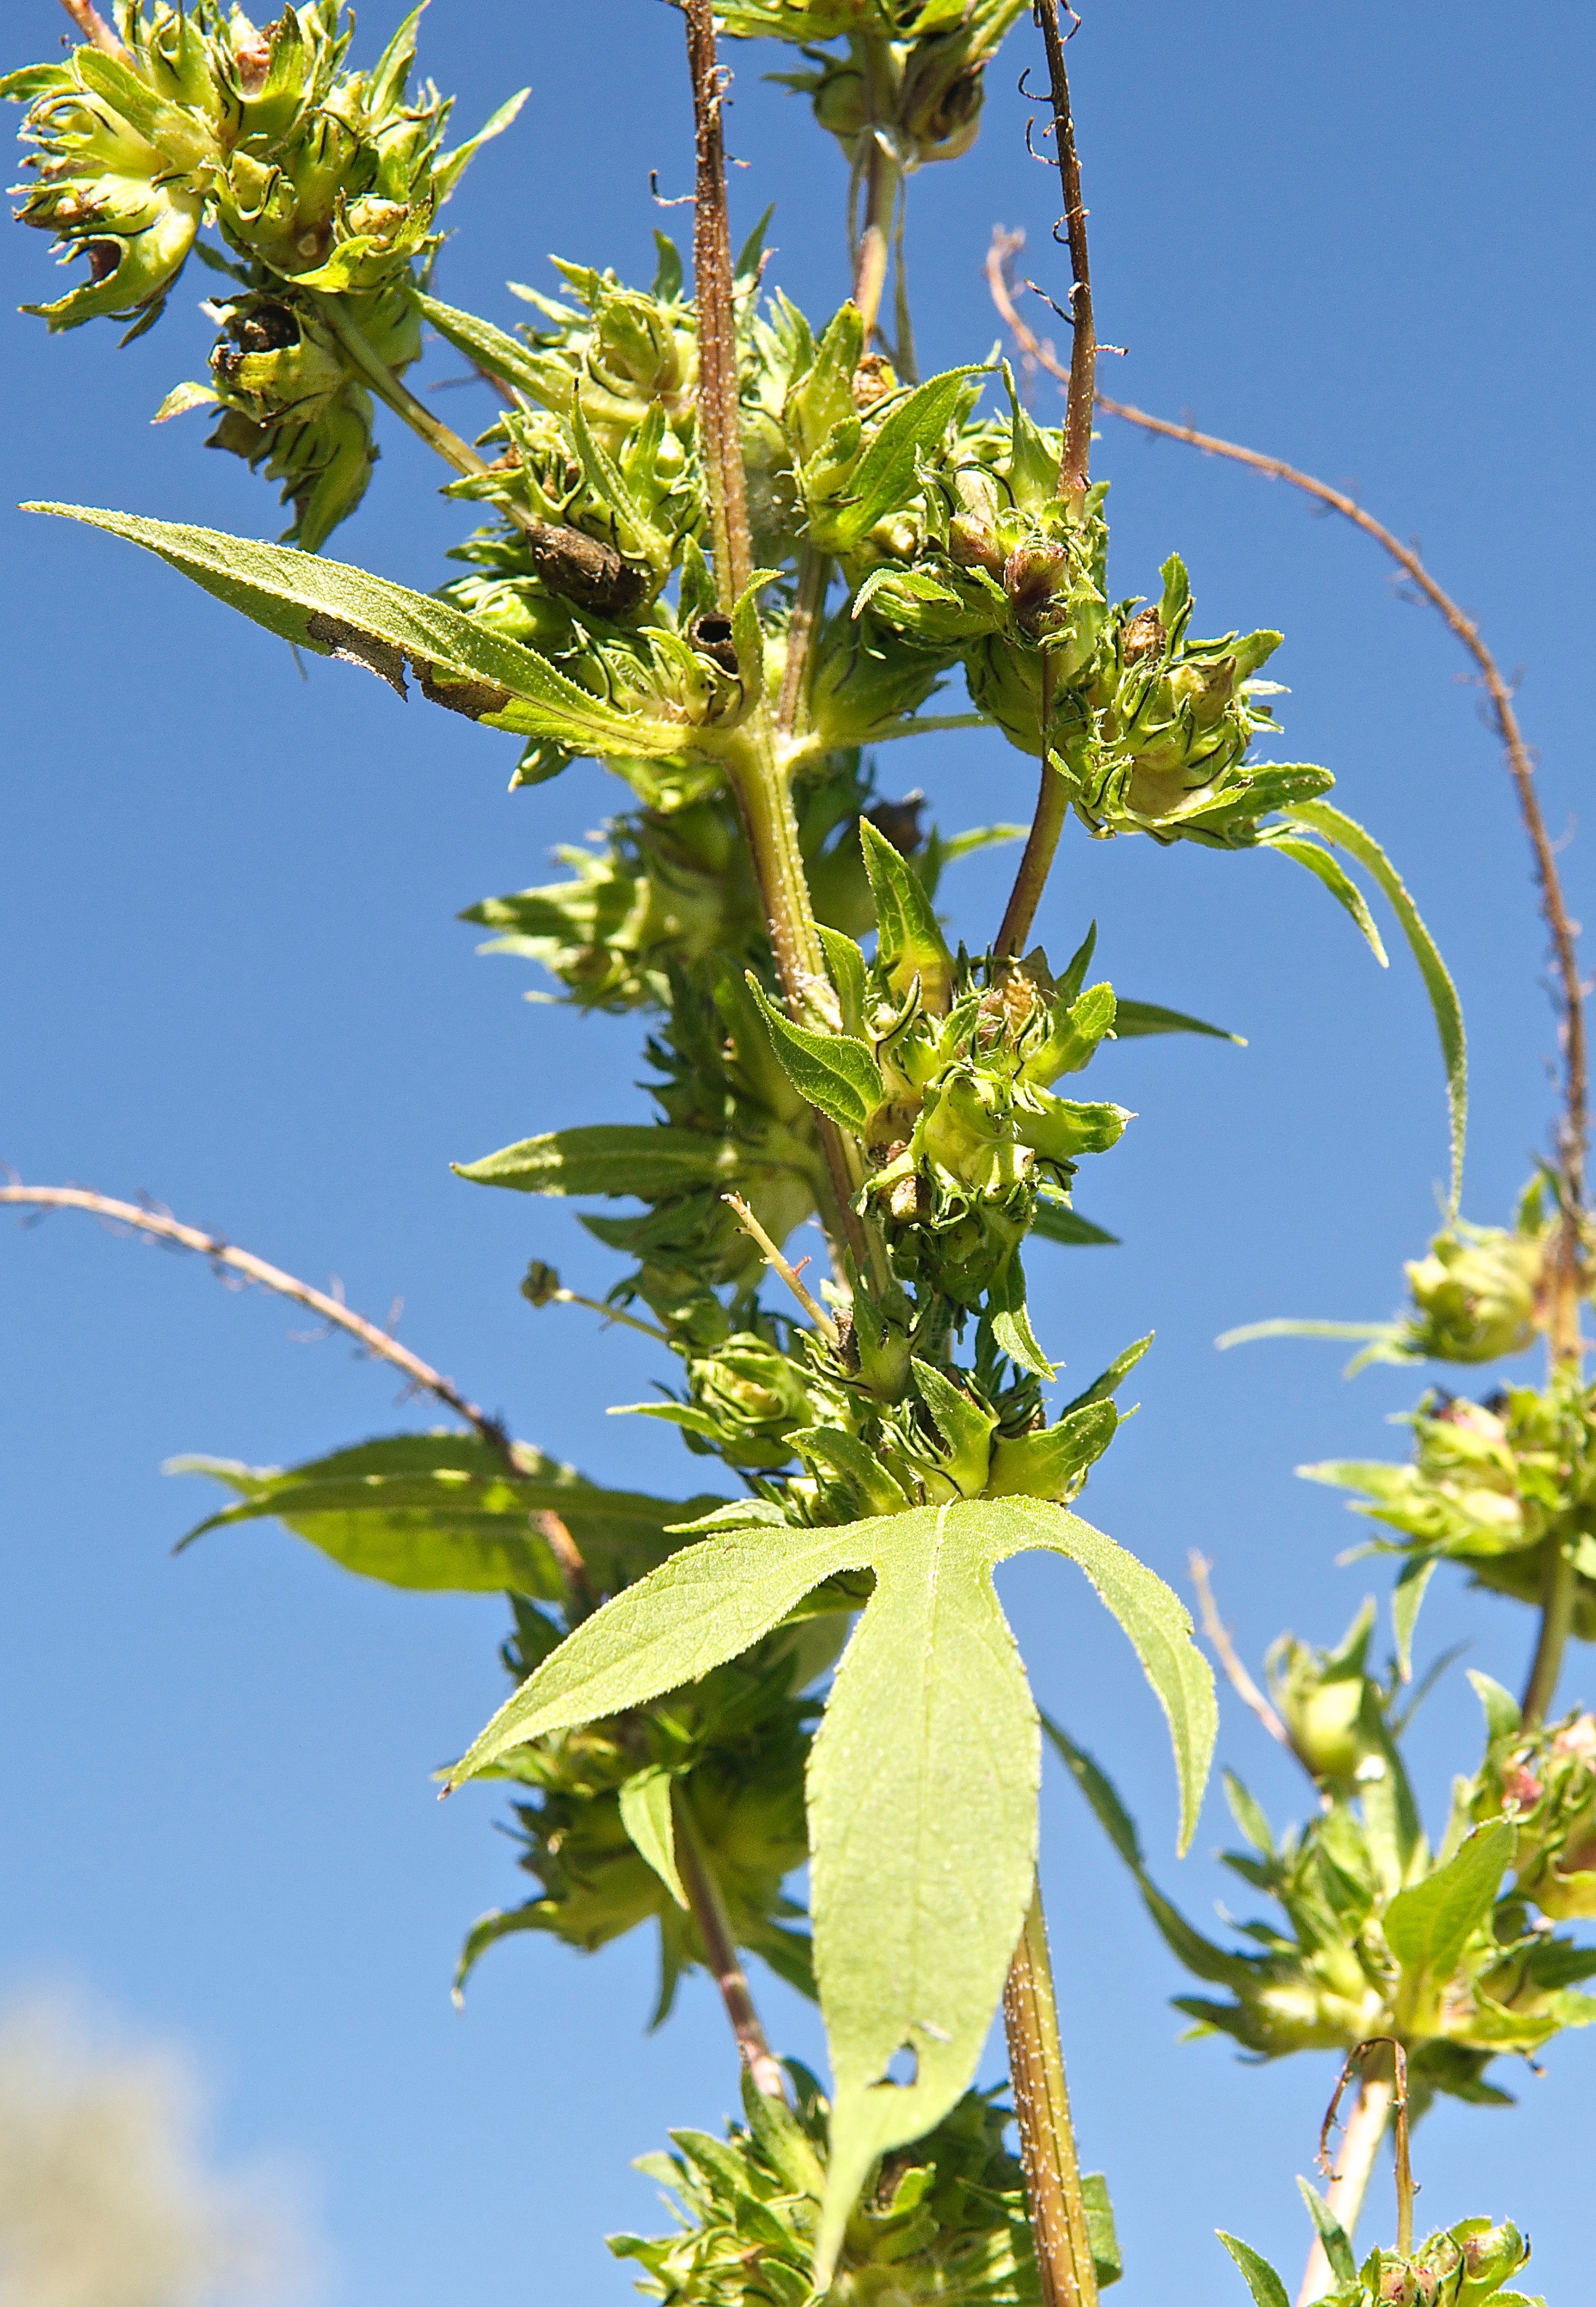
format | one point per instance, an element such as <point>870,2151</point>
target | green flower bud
<point>1325,1697</point>
<point>866,679</point>
<point>1545,1781</point>
<point>1476,1296</point>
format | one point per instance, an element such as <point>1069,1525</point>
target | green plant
<point>725,550</point>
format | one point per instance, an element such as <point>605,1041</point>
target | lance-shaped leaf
<point>1262,2281</point>
<point>909,943</point>
<point>1338,2250</point>
<point>1346,891</point>
<point>441,1513</point>
<point>606,1158</point>
<point>923,1785</point>
<point>484,346</point>
<point>1426,1927</point>
<point>336,611</point>
<point>1332,825</point>
<point>1053,1222</point>
<point>886,474</point>
<point>1132,1019</point>
<point>833,1072</point>
<point>647,1813</point>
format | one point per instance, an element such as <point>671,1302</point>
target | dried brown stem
<point>1082,380</point>
<point>95,28</point>
<point>709,1908</point>
<point>1354,2166</point>
<point>1224,1650</point>
<point>718,421</point>
<point>1046,2134</point>
<point>158,1225</point>
<point>1574,1131</point>
<point>780,1265</point>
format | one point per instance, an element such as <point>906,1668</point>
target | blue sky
<point>233,977</point>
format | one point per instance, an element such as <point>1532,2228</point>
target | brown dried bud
<point>585,571</point>
<point>1033,575</point>
<point>898,822</point>
<point>875,379</point>
<point>710,633</point>
<point>1143,636</point>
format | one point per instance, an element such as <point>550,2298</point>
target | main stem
<point>882,181</point>
<point>1047,2136</point>
<point>1354,2168</point>
<point>759,779</point>
<point>720,1948</point>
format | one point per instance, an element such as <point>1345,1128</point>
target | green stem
<point>1556,1623</point>
<point>394,393</point>
<point>709,1907</point>
<point>1041,843</point>
<point>882,181</point>
<point>814,574</point>
<point>1047,2135</point>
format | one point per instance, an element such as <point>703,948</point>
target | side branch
<point>94,28</point>
<point>1574,1131</point>
<point>222,1255</point>
<point>1082,380</point>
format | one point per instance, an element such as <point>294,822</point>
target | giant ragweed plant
<point>726,547</point>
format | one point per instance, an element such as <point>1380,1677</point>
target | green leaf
<point>1104,1387</point>
<point>1248,1816</point>
<point>649,1815</point>
<point>1288,1326</point>
<point>1339,884</point>
<point>606,1158</point>
<point>1407,1596</point>
<point>483,345</point>
<point>1262,2281</point>
<point>1100,2232</point>
<point>832,1072</point>
<point>909,942</point>
<point>336,611</point>
<point>922,1786</point>
<point>1503,1713</point>
<point>1053,1222</point>
<point>450,166</point>
<point>1132,1019</point>
<point>1426,1927</point>
<point>1332,825</point>
<point>1101,1792</point>
<point>845,963</point>
<point>440,1514</point>
<point>888,474</point>
<point>1338,2250</point>
<point>704,1606</point>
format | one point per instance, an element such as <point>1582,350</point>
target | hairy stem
<point>1354,2167</point>
<point>1047,2136</point>
<point>759,779</point>
<point>709,1913</point>
<point>158,1225</point>
<point>719,425</point>
<point>1041,843</point>
<point>1076,463</point>
<point>95,28</point>
<point>1556,1623</point>
<point>809,606</point>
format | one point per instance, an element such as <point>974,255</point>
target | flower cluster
<point>943,2220</point>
